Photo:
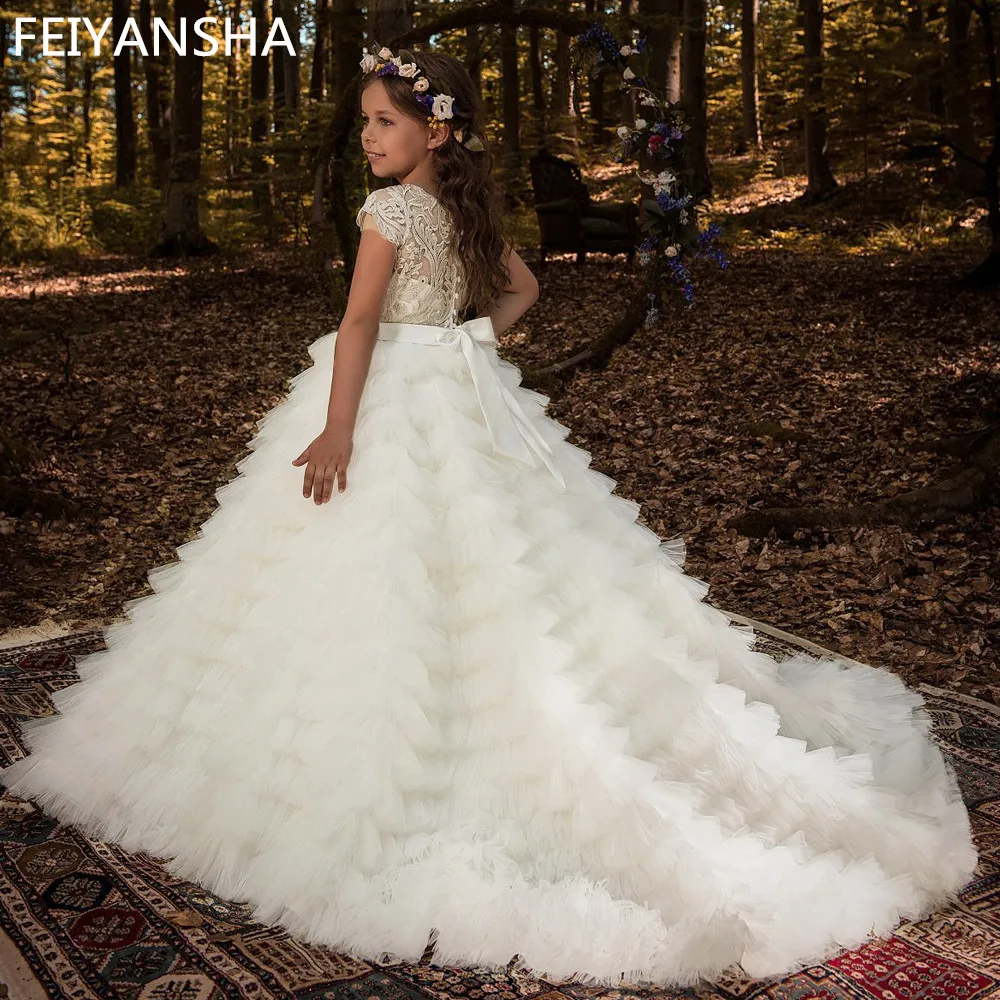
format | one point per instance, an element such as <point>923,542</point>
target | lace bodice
<point>428,284</point>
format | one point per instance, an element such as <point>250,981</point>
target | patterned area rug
<point>83,919</point>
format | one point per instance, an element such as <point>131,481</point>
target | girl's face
<point>394,143</point>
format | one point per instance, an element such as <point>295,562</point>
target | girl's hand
<point>327,457</point>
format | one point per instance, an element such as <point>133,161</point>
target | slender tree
<point>86,105</point>
<point>125,131</point>
<point>259,120</point>
<point>387,19</point>
<point>182,234</point>
<point>987,274</point>
<point>278,77</point>
<point>511,95</point>
<point>474,56</point>
<point>563,117</point>
<point>661,22</point>
<point>537,83</point>
<point>317,75</point>
<point>4,100</point>
<point>916,37</point>
<point>750,135</point>
<point>695,92</point>
<point>290,62</point>
<point>157,73</point>
<point>958,90</point>
<point>233,132</point>
<point>820,179</point>
<point>627,112</point>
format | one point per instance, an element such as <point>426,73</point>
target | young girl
<point>462,695</point>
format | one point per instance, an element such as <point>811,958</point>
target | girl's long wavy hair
<point>465,181</point>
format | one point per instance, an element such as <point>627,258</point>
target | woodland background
<point>822,426</point>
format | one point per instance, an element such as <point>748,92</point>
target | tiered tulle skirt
<point>457,697</point>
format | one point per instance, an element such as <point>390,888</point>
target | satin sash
<point>513,434</point>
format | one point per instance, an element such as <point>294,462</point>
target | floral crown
<point>440,106</point>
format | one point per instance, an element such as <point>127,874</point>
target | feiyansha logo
<point>63,36</point>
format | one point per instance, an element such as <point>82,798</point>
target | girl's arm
<point>518,297</point>
<point>327,457</point>
<point>358,329</point>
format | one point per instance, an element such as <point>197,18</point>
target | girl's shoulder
<point>386,207</point>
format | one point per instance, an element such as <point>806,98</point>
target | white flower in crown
<point>671,251</point>
<point>396,61</point>
<point>368,63</point>
<point>640,123</point>
<point>623,131</point>
<point>420,84</point>
<point>628,74</point>
<point>441,108</point>
<point>648,100</point>
<point>384,53</point>
<point>408,70</point>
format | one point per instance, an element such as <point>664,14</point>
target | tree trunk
<point>337,175</point>
<point>316,76</point>
<point>562,121</point>
<point>86,105</point>
<point>537,87</point>
<point>598,114</point>
<point>125,133</point>
<point>962,127</point>
<point>821,181</point>
<point>964,489</point>
<point>347,27</point>
<point>182,233</point>
<point>4,99</point>
<point>627,111</point>
<point>387,20</point>
<point>987,275</point>
<point>916,34</point>
<point>68,113</point>
<point>696,95</point>
<point>511,96</point>
<point>290,62</point>
<point>233,132</point>
<point>661,20</point>
<point>259,119</point>
<point>474,56</point>
<point>750,136</point>
<point>278,55</point>
<point>157,71</point>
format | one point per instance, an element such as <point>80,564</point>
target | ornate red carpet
<point>82,919</point>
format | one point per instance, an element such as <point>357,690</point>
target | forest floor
<point>820,367</point>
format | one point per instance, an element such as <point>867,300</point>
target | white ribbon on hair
<point>512,431</point>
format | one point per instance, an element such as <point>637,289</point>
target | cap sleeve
<point>386,210</point>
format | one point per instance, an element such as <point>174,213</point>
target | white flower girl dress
<point>472,693</point>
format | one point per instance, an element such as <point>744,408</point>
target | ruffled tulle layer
<point>459,698</point>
